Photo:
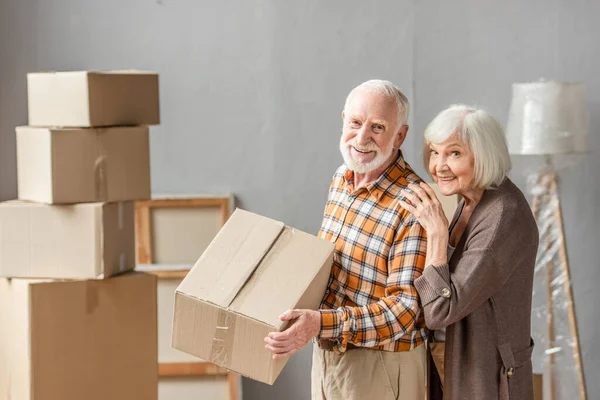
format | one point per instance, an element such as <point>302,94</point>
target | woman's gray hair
<point>390,90</point>
<point>484,136</point>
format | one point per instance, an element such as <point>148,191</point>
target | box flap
<point>231,258</point>
<point>284,276</point>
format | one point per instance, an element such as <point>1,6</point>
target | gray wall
<point>251,95</point>
<point>471,51</point>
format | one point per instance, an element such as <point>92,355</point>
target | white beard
<point>362,168</point>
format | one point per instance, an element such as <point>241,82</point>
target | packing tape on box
<point>220,353</point>
<point>100,178</point>
<point>122,262</point>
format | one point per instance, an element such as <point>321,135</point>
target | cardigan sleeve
<point>490,256</point>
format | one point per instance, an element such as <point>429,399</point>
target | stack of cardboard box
<point>75,321</point>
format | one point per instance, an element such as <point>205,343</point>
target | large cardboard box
<point>70,165</point>
<point>81,241</point>
<point>89,99</point>
<point>75,340</point>
<point>254,270</point>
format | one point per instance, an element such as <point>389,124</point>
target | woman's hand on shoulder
<point>426,207</point>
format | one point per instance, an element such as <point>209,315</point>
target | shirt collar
<point>388,177</point>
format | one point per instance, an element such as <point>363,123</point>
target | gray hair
<point>481,132</point>
<point>391,91</point>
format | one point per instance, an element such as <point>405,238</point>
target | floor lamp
<point>549,119</point>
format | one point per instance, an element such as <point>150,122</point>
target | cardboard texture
<point>81,241</point>
<point>66,165</point>
<point>166,298</point>
<point>92,99</point>
<point>253,270</point>
<point>75,340</point>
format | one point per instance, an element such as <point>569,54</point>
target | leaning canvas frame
<point>223,204</point>
<point>143,218</point>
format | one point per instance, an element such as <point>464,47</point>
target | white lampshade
<point>547,118</point>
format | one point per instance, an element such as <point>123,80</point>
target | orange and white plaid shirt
<point>371,300</point>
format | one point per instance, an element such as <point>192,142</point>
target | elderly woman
<point>477,283</point>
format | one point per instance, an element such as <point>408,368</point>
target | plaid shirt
<point>371,300</point>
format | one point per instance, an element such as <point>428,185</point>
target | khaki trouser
<point>437,350</point>
<point>368,374</point>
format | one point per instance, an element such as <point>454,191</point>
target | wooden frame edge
<point>200,368</point>
<point>205,368</point>
<point>143,233</point>
<point>233,382</point>
<point>143,228</point>
<point>164,274</point>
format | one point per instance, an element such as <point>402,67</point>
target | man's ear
<point>343,115</point>
<point>400,136</point>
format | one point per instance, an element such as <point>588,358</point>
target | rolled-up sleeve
<point>450,294</point>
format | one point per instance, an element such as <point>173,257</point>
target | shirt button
<point>446,292</point>
<point>510,371</point>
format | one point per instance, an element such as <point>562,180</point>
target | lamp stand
<point>553,255</point>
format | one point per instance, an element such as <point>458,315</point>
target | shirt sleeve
<point>493,251</point>
<point>394,315</point>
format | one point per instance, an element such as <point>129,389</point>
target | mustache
<point>370,146</point>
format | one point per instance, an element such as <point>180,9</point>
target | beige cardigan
<point>483,299</point>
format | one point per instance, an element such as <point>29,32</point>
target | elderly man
<point>369,332</point>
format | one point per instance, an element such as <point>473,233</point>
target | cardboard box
<point>89,99</point>
<point>254,270</point>
<point>75,340</point>
<point>81,241</point>
<point>70,165</point>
